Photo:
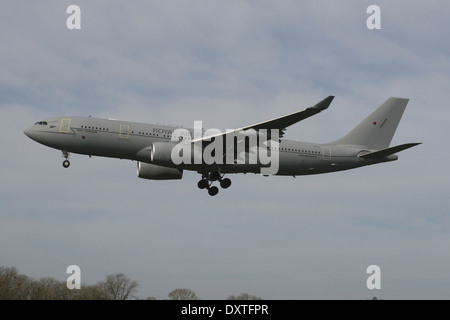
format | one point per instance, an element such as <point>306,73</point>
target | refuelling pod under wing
<point>155,172</point>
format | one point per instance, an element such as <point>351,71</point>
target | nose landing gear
<point>209,178</point>
<point>66,163</point>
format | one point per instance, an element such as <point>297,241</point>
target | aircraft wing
<point>283,122</point>
<point>280,123</point>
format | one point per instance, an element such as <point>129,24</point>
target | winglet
<point>324,104</point>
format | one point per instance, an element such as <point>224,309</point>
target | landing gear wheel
<point>202,184</point>
<point>213,191</point>
<point>208,179</point>
<point>66,163</point>
<point>225,183</point>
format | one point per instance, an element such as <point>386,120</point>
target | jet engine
<point>161,153</point>
<point>155,172</point>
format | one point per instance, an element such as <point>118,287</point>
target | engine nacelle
<point>161,153</point>
<point>155,172</point>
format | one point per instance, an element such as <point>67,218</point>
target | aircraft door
<point>65,126</point>
<point>124,131</point>
<point>326,153</point>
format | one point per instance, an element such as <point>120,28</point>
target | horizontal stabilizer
<point>387,152</point>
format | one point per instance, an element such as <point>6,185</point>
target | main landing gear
<point>209,178</point>
<point>66,163</point>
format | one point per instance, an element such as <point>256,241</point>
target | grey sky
<point>228,63</point>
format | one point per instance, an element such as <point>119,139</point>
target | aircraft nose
<point>29,132</point>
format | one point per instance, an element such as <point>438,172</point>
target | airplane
<point>153,145</point>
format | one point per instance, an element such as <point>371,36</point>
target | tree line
<point>16,286</point>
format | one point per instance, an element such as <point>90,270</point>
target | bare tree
<point>118,287</point>
<point>183,294</point>
<point>48,288</point>
<point>90,292</point>
<point>14,286</point>
<point>244,296</point>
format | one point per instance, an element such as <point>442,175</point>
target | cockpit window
<point>41,123</point>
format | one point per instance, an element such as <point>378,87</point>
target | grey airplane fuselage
<point>125,140</point>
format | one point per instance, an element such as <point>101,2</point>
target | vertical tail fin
<point>377,130</point>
